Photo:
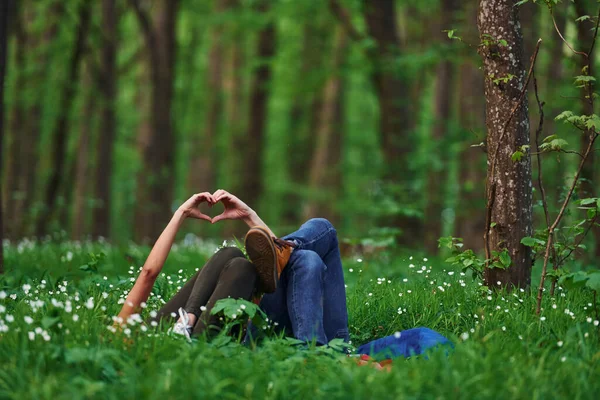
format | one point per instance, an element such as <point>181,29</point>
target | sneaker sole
<point>261,251</point>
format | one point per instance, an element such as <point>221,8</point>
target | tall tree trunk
<point>33,129</point>
<point>62,127</point>
<point>470,212</point>
<point>324,163</point>
<point>5,9</point>
<point>233,88</point>
<point>259,99</point>
<point>155,181</point>
<point>202,172</point>
<point>83,167</point>
<point>585,37</point>
<point>441,114</point>
<point>509,183</point>
<point>394,109</point>
<point>108,78</point>
<point>13,183</point>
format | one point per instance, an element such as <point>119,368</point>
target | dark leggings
<point>226,274</point>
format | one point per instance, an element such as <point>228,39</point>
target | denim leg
<point>319,236</point>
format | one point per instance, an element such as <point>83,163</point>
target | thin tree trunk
<point>83,168</point>
<point>323,163</point>
<point>5,9</point>
<point>509,194</point>
<point>13,183</point>
<point>441,114</point>
<point>62,127</point>
<point>101,224</point>
<point>585,37</point>
<point>259,98</point>
<point>155,181</point>
<point>33,128</point>
<point>304,114</point>
<point>202,172</point>
<point>470,218</point>
<point>395,113</point>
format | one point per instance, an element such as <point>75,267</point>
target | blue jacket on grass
<point>410,342</point>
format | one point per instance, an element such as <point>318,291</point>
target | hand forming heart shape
<point>234,207</point>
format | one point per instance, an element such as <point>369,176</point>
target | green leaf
<point>505,259</point>
<point>582,18</point>
<point>520,3</point>
<point>593,122</point>
<point>593,281</point>
<point>562,115</point>
<point>516,156</point>
<point>528,241</point>
<point>450,33</point>
<point>48,322</point>
<point>586,201</point>
<point>493,224</point>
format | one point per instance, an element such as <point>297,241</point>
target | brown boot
<point>269,255</point>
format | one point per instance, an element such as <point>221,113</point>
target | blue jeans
<point>408,343</point>
<point>310,300</point>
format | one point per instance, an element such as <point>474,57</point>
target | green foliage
<point>553,143</point>
<point>92,264</point>
<point>498,339</point>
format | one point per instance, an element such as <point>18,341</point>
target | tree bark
<point>101,223</point>
<point>155,180</point>
<point>62,127</point>
<point>324,161</point>
<point>441,114</point>
<point>509,193</point>
<point>259,98</point>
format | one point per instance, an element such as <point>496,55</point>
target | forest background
<point>362,112</point>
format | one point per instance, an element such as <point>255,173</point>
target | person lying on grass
<point>301,276</point>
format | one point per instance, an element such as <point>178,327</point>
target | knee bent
<point>308,261</point>
<point>229,252</point>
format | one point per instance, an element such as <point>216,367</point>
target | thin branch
<point>144,21</point>
<point>345,19</point>
<point>590,226</point>
<point>562,37</point>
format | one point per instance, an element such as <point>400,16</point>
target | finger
<point>219,218</point>
<point>207,197</point>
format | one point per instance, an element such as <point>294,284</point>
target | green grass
<point>509,352</point>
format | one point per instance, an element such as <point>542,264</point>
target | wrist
<point>252,219</point>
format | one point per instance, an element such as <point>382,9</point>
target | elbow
<point>149,273</point>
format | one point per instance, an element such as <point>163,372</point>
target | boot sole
<point>261,251</point>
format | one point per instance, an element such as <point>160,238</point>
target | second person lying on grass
<point>298,279</point>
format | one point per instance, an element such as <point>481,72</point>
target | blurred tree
<point>83,182</point>
<point>444,77</point>
<point>585,40</point>
<point>107,134</point>
<point>470,221</point>
<point>13,181</point>
<point>155,180</point>
<point>62,125</point>
<point>395,112</point>
<point>253,184</point>
<point>202,171</point>
<point>5,10</point>
<point>509,192</point>
<point>326,158</point>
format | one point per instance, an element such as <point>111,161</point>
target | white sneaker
<point>182,326</point>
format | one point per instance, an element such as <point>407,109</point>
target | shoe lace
<point>282,244</point>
